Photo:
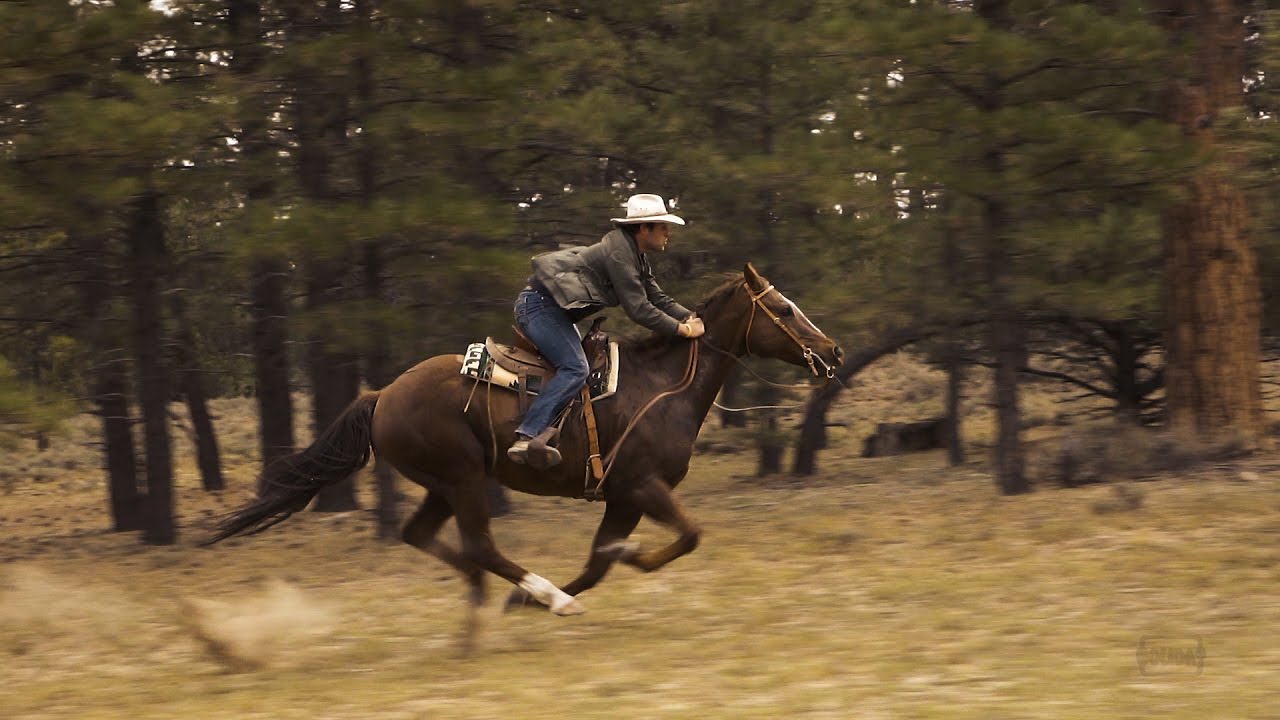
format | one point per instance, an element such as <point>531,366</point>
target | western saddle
<point>523,359</point>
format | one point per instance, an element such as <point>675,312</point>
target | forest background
<point>244,197</point>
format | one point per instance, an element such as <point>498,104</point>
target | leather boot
<point>536,452</point>
<point>541,454</point>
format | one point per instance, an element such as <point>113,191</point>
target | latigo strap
<point>593,487</point>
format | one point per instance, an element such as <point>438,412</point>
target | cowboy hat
<point>647,208</point>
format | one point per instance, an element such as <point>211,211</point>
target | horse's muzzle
<point>819,366</point>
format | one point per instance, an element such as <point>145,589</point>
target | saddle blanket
<point>477,364</point>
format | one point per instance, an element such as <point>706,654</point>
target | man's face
<point>653,237</point>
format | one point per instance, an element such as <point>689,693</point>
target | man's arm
<point>661,300</point>
<point>633,295</point>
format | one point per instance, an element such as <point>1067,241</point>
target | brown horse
<point>432,427</point>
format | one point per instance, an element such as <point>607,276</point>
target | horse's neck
<point>713,370</point>
<point>718,353</point>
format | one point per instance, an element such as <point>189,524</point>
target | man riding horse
<point>570,285</point>
<point>425,425</point>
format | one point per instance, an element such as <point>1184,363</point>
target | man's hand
<point>692,327</point>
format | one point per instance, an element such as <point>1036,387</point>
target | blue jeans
<point>549,327</point>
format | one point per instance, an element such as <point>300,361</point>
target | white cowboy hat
<point>647,208</point>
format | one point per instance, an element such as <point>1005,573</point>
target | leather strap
<point>593,489</point>
<point>690,370</point>
<point>523,379</point>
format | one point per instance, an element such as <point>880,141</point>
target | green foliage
<point>848,149</point>
<point>26,408</point>
<point>1046,117</point>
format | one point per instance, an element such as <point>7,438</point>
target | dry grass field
<point>880,588</point>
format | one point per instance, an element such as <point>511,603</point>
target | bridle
<point>691,369</point>
<point>810,357</point>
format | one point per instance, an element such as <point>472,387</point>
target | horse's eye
<point>786,311</point>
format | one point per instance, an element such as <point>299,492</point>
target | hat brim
<point>667,218</point>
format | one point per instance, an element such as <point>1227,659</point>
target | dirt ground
<point>880,588</point>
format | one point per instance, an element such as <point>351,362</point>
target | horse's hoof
<point>619,549</point>
<point>520,599</point>
<point>572,607</point>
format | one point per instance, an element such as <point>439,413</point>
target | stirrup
<point>542,454</point>
<point>539,458</point>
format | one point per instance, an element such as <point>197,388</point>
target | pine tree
<point>1214,299</point>
<point>100,134</point>
<point>1011,109</point>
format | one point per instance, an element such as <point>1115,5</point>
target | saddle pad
<point>477,364</point>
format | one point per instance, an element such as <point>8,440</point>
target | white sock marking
<point>545,592</point>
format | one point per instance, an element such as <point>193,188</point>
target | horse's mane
<point>732,281</point>
<point>653,341</point>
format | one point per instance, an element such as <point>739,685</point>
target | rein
<point>810,357</point>
<point>690,370</point>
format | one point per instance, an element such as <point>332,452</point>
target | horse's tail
<point>290,483</point>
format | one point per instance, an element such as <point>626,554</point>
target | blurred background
<point>1027,222</point>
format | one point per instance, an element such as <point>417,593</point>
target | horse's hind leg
<point>472,514</point>
<point>619,520</point>
<point>655,499</point>
<point>421,532</point>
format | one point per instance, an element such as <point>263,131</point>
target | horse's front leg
<point>620,519</point>
<point>654,498</point>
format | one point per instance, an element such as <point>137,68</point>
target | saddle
<point>521,368</point>
<point>522,356</point>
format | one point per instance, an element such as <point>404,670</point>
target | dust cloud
<point>269,628</point>
<point>64,623</point>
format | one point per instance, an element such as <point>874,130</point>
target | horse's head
<point>777,328</point>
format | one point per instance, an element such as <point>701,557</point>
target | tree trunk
<point>813,428</point>
<point>378,358</point>
<point>37,383</point>
<point>955,385</point>
<point>269,308</point>
<point>378,373</point>
<point>1213,340</point>
<point>1008,458</point>
<point>729,395</point>
<point>813,437</point>
<point>111,394</point>
<point>338,376</point>
<point>269,311</point>
<point>1124,356</point>
<point>1214,329</point>
<point>319,121</point>
<point>767,438</point>
<point>208,459</point>
<point>952,347</point>
<point>268,275</point>
<point>191,385</point>
<point>109,384</point>
<point>335,381</point>
<point>146,244</point>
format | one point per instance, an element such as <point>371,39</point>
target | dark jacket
<point>610,273</point>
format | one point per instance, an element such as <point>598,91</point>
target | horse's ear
<point>753,278</point>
